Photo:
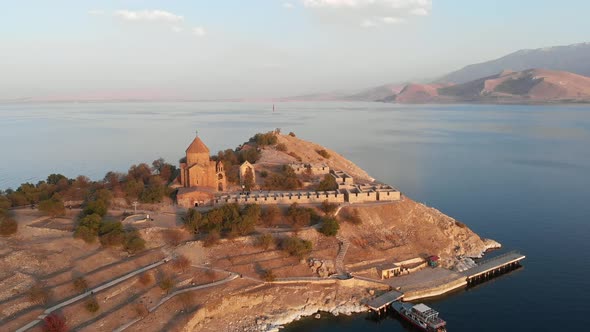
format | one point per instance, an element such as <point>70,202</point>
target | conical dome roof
<point>197,146</point>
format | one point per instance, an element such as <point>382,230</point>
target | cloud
<point>177,28</point>
<point>368,13</point>
<point>148,16</point>
<point>199,31</point>
<point>288,5</point>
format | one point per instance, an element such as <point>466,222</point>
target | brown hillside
<point>418,93</point>
<point>406,229</point>
<point>307,152</point>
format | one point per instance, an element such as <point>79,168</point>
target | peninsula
<point>248,239</point>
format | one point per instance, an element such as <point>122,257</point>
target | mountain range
<point>557,74</point>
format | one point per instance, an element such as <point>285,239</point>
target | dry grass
<point>181,263</point>
<point>146,278</point>
<point>38,294</point>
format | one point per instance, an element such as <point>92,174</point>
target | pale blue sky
<point>261,48</point>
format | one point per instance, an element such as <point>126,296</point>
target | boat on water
<point>421,316</point>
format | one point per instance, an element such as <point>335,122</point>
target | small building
<point>244,169</point>
<point>433,260</point>
<point>194,197</point>
<point>388,271</point>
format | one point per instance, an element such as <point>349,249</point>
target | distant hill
<point>379,93</point>
<point>528,86</point>
<point>572,58</point>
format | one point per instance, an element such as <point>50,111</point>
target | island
<point>248,239</point>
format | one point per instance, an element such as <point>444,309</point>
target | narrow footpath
<point>91,292</point>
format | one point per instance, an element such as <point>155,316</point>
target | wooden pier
<point>493,266</point>
<point>485,269</point>
<point>380,303</point>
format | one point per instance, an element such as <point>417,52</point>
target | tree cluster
<point>296,247</point>
<point>285,180</point>
<point>328,183</point>
<point>228,219</point>
<point>265,139</point>
<point>300,216</point>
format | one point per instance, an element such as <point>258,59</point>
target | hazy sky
<point>261,48</point>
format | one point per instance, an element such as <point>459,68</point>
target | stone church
<point>199,170</point>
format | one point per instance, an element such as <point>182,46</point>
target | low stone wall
<point>436,290</point>
<point>361,197</point>
<point>389,195</point>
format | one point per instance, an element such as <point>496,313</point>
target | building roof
<point>421,308</point>
<point>246,163</point>
<point>197,146</point>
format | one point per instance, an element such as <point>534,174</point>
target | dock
<point>380,303</point>
<point>493,266</point>
<point>484,270</point>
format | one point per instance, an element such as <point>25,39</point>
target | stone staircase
<point>339,263</point>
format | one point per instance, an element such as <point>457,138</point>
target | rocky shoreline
<point>355,304</point>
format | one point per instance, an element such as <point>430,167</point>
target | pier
<point>494,266</point>
<point>485,269</point>
<point>380,303</point>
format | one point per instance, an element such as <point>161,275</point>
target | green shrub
<point>98,207</point>
<point>269,138</point>
<point>134,243</point>
<point>286,180</point>
<point>281,147</point>
<point>92,305</point>
<point>193,221</point>
<point>323,153</point>
<point>296,247</point>
<point>80,284</point>
<point>154,192</point>
<point>292,134</point>
<point>263,174</point>
<point>327,184</point>
<point>330,227</point>
<point>299,216</point>
<point>52,207</point>
<point>264,241</point>
<point>270,215</point>
<point>88,227</point>
<point>166,284</point>
<point>251,155</point>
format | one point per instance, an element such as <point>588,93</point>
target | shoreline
<point>348,308</point>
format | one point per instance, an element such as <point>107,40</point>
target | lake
<point>516,174</point>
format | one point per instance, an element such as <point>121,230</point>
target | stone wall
<point>315,169</point>
<point>287,198</point>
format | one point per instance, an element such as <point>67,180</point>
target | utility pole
<point>135,203</point>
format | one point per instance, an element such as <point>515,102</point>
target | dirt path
<point>229,278</point>
<point>91,292</point>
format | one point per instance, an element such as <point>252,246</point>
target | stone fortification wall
<point>315,169</point>
<point>301,197</point>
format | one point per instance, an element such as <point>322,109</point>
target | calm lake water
<point>517,174</point>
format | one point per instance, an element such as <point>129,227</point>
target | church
<point>198,170</point>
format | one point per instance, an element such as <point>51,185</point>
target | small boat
<point>421,316</point>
